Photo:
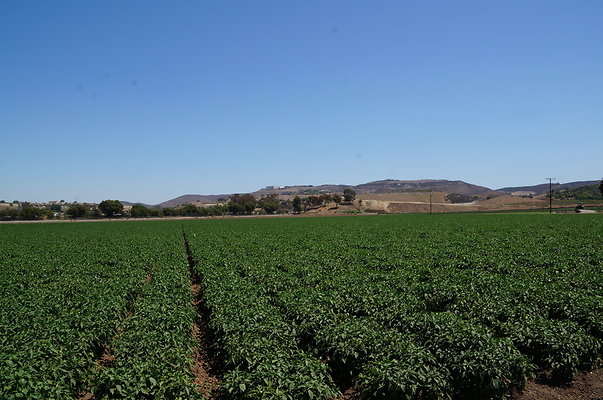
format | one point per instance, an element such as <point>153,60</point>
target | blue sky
<point>148,100</point>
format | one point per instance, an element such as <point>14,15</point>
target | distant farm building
<point>523,193</point>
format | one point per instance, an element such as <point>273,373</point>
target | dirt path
<point>349,394</point>
<point>207,368</point>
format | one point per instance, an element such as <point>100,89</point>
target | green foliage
<point>460,198</point>
<point>401,307</point>
<point>111,208</point>
<point>77,211</point>
<point>314,201</point>
<point>241,204</point>
<point>349,194</point>
<point>29,212</point>
<point>153,352</point>
<point>217,210</point>
<point>269,204</point>
<point>139,211</point>
<point>55,207</point>
<point>591,192</point>
<point>413,377</point>
<point>9,214</point>
<point>297,204</point>
<point>70,290</point>
<point>190,210</point>
<point>406,307</point>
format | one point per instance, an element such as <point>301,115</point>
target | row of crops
<point>95,310</point>
<point>417,307</point>
<point>404,306</point>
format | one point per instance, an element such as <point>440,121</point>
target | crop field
<point>382,307</point>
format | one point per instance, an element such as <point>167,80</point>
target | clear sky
<point>148,100</point>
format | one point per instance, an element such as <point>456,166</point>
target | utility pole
<point>550,194</point>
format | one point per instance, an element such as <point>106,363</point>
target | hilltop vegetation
<point>590,192</point>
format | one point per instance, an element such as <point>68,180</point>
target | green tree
<point>30,212</point>
<point>76,211</point>
<point>154,212</point>
<point>349,194</point>
<point>189,210</point>
<point>111,208</point>
<point>9,214</point>
<point>297,204</point>
<point>315,201</point>
<point>217,210</point>
<point>236,208</point>
<point>167,211</point>
<point>337,199</point>
<point>601,187</point>
<point>96,213</point>
<point>284,206</point>
<point>269,203</point>
<point>241,204</point>
<point>139,211</point>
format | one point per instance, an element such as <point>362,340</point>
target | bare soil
<point>349,394</point>
<point>511,202</point>
<point>107,358</point>
<point>206,368</point>
<point>585,386</point>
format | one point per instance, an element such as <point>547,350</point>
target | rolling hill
<point>375,187</point>
<point>382,187</point>
<point>544,187</point>
<point>191,198</point>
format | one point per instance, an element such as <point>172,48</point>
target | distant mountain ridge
<point>435,185</point>
<point>381,186</point>
<point>544,187</point>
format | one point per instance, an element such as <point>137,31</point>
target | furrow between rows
<point>207,368</point>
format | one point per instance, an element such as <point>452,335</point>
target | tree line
<point>238,204</point>
<point>29,211</point>
<point>591,192</point>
